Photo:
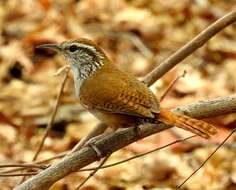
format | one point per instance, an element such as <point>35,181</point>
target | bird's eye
<point>73,48</point>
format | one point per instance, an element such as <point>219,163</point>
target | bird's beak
<point>50,46</point>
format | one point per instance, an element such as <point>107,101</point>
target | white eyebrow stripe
<point>90,47</point>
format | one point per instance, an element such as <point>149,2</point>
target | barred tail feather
<point>195,126</point>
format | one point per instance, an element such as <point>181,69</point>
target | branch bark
<point>120,139</point>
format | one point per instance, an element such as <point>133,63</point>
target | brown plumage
<point>115,97</point>
<point>123,101</point>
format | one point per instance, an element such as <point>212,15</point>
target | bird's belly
<point>116,120</point>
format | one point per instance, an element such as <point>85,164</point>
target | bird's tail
<point>195,126</point>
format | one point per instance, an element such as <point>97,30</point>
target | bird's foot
<point>137,131</point>
<point>96,150</point>
<point>91,143</point>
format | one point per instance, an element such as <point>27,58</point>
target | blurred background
<point>137,35</point>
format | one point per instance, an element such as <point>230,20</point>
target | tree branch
<point>209,108</point>
<point>190,47</point>
<point>115,141</point>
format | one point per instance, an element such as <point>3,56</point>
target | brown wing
<point>117,92</point>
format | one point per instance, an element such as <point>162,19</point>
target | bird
<point>116,97</point>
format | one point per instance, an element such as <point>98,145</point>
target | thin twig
<point>26,165</point>
<point>13,170</point>
<point>54,112</point>
<point>139,155</point>
<point>94,171</point>
<point>172,84</point>
<point>18,174</point>
<point>60,155</point>
<point>205,161</point>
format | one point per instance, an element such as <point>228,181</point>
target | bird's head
<point>84,56</point>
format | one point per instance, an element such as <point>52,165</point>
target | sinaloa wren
<point>115,97</point>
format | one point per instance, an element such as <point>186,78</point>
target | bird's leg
<point>91,142</point>
<point>137,131</point>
